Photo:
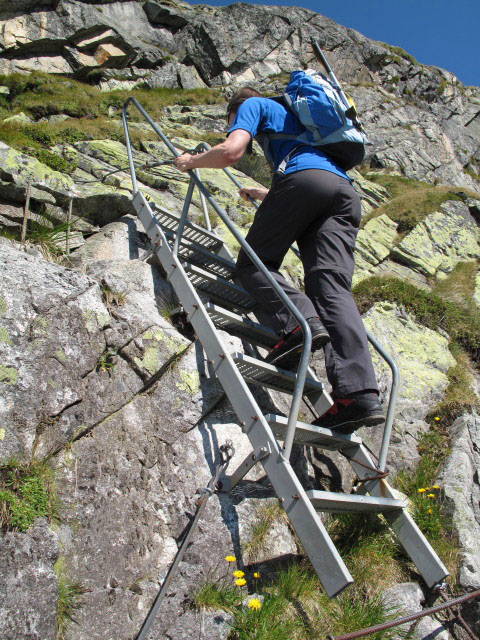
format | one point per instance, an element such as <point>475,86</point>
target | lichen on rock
<point>422,355</point>
<point>442,240</point>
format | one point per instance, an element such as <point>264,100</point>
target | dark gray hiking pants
<point>321,212</point>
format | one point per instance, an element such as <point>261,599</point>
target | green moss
<point>26,493</point>
<point>42,95</point>
<point>459,397</point>
<point>8,375</point>
<point>459,284</point>
<point>461,323</point>
<point>473,174</point>
<point>52,160</point>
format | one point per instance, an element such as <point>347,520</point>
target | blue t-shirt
<point>261,115</point>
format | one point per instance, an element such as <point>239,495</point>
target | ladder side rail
<point>328,564</point>
<point>307,335</point>
<point>431,568</point>
<point>206,217</point>
<point>183,217</point>
<point>392,402</point>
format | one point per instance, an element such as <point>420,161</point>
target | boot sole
<point>290,359</point>
<point>350,426</point>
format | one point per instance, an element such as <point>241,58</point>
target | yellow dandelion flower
<point>256,575</point>
<point>429,510</point>
<point>421,490</point>
<point>240,582</point>
<point>254,603</point>
<point>230,558</point>
<point>435,486</point>
<point>238,574</point>
<point>431,495</point>
<point>437,418</point>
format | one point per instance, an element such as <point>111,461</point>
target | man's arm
<point>218,157</point>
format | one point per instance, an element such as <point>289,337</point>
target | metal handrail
<point>387,430</point>
<point>307,335</point>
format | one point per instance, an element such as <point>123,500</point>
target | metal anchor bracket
<point>226,483</point>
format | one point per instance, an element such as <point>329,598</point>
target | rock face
<point>422,120</point>
<point>28,559</point>
<point>95,378</point>
<point>442,240</point>
<point>460,479</point>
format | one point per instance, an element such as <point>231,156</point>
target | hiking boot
<point>360,409</point>
<point>287,353</point>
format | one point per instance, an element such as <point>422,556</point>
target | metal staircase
<point>201,270</point>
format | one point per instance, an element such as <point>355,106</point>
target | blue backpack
<point>330,125</point>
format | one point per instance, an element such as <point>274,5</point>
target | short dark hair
<point>239,97</point>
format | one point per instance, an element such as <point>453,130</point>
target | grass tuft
<point>258,533</point>
<point>411,200</point>
<point>112,298</point>
<point>26,493</point>
<point>461,322</point>
<point>293,605</point>
<point>216,595</point>
<point>69,598</point>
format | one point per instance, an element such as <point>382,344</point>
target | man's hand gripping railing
<point>195,181</point>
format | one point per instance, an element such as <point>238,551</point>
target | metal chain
<point>226,454</point>
<point>380,474</point>
<point>399,621</point>
<point>457,616</point>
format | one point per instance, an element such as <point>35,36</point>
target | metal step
<point>194,253</point>
<point>342,503</point>
<point>241,326</point>
<point>218,288</point>
<point>264,374</point>
<point>313,436</point>
<point>169,221</point>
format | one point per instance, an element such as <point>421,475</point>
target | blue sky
<point>444,33</point>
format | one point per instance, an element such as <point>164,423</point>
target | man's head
<point>238,98</point>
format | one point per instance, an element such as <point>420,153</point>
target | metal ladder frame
<point>325,559</point>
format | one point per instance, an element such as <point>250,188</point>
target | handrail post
<point>133,175</point>
<point>387,431</point>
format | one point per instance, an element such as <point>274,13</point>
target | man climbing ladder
<point>311,202</point>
